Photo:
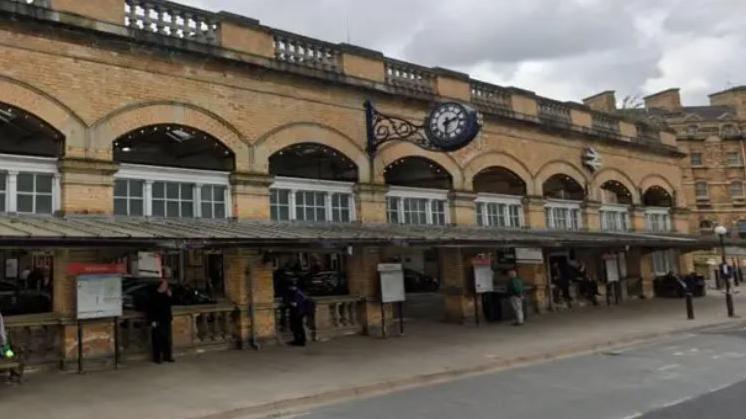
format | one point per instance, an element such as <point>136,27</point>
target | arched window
<point>418,192</point>
<point>499,193</point>
<point>29,149</point>
<point>312,183</point>
<point>562,208</point>
<point>614,212</point>
<point>172,171</point>
<point>657,212</point>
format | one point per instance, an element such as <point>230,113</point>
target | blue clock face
<point>451,126</point>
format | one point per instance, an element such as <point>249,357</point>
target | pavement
<point>686,376</point>
<point>279,380</point>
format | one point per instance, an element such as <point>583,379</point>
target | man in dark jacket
<point>298,304</point>
<point>159,316</point>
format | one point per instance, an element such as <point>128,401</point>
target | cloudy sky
<point>565,49</point>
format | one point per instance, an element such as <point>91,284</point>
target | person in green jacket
<point>515,292</point>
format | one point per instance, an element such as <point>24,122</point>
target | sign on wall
<point>392,282</point>
<point>149,265</point>
<point>529,255</point>
<point>99,296</point>
<point>612,270</point>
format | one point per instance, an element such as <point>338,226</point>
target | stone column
<point>535,275</point>
<point>363,283</point>
<point>457,286</point>
<point>371,203</point>
<point>87,186</point>
<point>250,195</point>
<point>248,281</point>
<point>463,208</point>
<point>534,212</point>
<point>680,220</point>
<point>637,219</point>
<point>591,217</point>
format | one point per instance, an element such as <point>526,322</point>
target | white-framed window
<point>614,218</point>
<point>733,158</point>
<point>129,197</point>
<point>406,205</point>
<point>29,184</point>
<point>701,190</point>
<point>658,219</point>
<point>499,211</point>
<point>142,190</point>
<point>664,261</point>
<point>563,215</point>
<point>696,159</point>
<point>736,189</point>
<point>311,200</point>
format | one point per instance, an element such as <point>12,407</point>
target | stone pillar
<point>524,102</point>
<point>591,217</point>
<point>87,186</point>
<point>249,281</point>
<point>680,220</point>
<point>362,63</point>
<point>534,212</point>
<point>371,203</point>
<point>109,11</point>
<point>363,283</point>
<point>453,85</point>
<point>647,273</point>
<point>236,277</point>
<point>463,208</point>
<point>535,275</point>
<point>245,35</point>
<point>637,219</point>
<point>457,284</point>
<point>250,195</point>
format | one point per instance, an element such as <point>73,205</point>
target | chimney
<point>667,99</point>
<point>602,102</point>
<point>734,97</point>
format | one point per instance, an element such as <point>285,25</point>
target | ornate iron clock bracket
<point>383,128</point>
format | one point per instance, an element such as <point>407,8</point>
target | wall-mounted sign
<point>592,159</point>
<point>483,275</point>
<point>392,282</point>
<point>99,296</point>
<point>149,265</point>
<point>529,255</point>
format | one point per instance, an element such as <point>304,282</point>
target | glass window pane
<point>25,203</point>
<point>2,201</point>
<point>120,206</point>
<point>137,208</point>
<point>187,191</point>
<point>320,214</point>
<point>206,210</point>
<point>137,188</point>
<point>172,209</point>
<point>187,209</point>
<point>218,194</point>
<point>158,189</point>
<point>3,180</point>
<point>120,187</point>
<point>285,213</point>
<point>219,211</point>
<point>172,190</point>
<point>274,213</point>
<point>25,182</point>
<point>44,183</point>
<point>158,209</point>
<point>206,193</point>
<point>309,214</point>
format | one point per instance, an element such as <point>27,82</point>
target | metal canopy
<point>127,231</point>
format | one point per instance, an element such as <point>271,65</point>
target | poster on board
<point>392,282</point>
<point>612,270</point>
<point>11,268</point>
<point>483,274</point>
<point>149,265</point>
<point>99,296</point>
<point>529,255</point>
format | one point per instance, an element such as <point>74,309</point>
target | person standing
<point>297,302</point>
<point>515,293</point>
<point>160,317</point>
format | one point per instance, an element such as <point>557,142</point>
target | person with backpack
<point>515,293</point>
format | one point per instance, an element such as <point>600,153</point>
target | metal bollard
<point>689,306</point>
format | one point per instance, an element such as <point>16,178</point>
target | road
<point>698,375</point>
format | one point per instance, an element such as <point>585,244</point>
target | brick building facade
<point>260,125</point>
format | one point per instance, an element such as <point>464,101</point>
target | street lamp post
<point>721,231</point>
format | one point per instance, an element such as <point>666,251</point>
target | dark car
<point>418,282</point>
<point>14,300</point>
<point>675,287</point>
<point>136,294</point>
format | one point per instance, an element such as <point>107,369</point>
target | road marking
<point>675,402</point>
<point>633,416</point>
<point>668,367</point>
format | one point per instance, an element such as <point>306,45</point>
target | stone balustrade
<point>489,96</point>
<point>36,337</point>
<point>334,316</point>
<point>605,124</point>
<point>172,19</point>
<point>553,111</point>
<point>409,78</point>
<point>306,52</point>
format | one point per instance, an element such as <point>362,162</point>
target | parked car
<point>673,286</point>
<point>14,300</point>
<point>136,294</point>
<point>318,284</point>
<point>418,282</point>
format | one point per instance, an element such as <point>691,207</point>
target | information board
<point>483,279</point>
<point>99,296</point>
<point>529,255</point>
<point>392,282</point>
<point>612,270</point>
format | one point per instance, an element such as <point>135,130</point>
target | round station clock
<point>451,126</point>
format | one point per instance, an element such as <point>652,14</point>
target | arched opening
<point>29,184</point>
<point>657,196</point>
<point>614,192</point>
<point>313,161</point>
<point>499,192</point>
<point>417,172</point>
<point>173,146</point>
<point>499,180</point>
<point>564,187</point>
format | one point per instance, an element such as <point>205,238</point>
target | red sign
<point>481,260</point>
<point>95,268</point>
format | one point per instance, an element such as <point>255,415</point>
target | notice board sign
<point>392,282</point>
<point>612,270</point>
<point>529,255</point>
<point>99,296</point>
<point>149,265</point>
<point>483,275</point>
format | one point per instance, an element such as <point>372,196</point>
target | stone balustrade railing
<point>410,78</point>
<point>36,337</point>
<point>306,52</point>
<point>605,124</point>
<point>553,111</point>
<point>490,96</point>
<point>334,316</point>
<point>172,19</point>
